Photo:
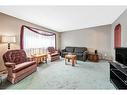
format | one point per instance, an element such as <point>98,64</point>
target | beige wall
<point>123,21</point>
<point>93,38</point>
<point>11,26</point>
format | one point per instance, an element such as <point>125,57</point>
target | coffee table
<point>40,58</point>
<point>71,57</point>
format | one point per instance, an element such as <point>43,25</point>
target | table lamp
<point>8,39</point>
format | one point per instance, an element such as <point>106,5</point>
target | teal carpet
<point>57,75</point>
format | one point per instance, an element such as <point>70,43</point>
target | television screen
<point>121,55</point>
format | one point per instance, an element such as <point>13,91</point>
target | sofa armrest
<point>63,50</point>
<point>85,52</point>
<point>10,65</point>
<point>85,55</point>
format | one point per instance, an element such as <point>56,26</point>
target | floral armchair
<point>18,65</point>
<point>53,54</point>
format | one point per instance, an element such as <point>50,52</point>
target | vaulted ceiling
<point>65,18</point>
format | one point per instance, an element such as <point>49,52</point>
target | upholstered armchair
<point>18,65</point>
<point>53,54</point>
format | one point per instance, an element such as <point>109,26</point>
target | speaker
<point>95,51</point>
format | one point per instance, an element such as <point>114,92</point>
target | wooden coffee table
<point>40,58</point>
<point>71,57</point>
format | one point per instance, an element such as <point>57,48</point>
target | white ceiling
<point>65,18</point>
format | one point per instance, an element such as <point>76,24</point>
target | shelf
<point>118,66</point>
<point>113,83</point>
<point>117,84</point>
<point>122,77</point>
<point>118,75</point>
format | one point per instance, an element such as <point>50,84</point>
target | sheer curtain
<point>36,41</point>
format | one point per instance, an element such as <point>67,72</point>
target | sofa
<point>18,65</point>
<point>81,52</point>
<point>53,54</point>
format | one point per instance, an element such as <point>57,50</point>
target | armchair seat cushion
<point>20,67</point>
<point>54,54</point>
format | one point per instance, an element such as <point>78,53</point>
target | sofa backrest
<point>69,49</point>
<point>15,56</point>
<point>80,49</point>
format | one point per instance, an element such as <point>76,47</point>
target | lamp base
<point>8,45</point>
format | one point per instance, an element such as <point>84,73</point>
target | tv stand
<point>118,75</point>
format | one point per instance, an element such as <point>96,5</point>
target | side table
<point>2,77</point>
<point>93,57</point>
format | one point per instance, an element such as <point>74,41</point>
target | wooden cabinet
<point>93,57</point>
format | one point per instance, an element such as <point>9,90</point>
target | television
<point>121,55</point>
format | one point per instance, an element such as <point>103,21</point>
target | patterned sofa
<point>53,54</point>
<point>81,52</point>
<point>18,65</point>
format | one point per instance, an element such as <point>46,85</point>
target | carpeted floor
<point>57,75</point>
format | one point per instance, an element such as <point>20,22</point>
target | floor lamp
<point>9,40</point>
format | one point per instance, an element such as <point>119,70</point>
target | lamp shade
<point>8,39</point>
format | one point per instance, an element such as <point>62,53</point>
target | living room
<point>95,40</point>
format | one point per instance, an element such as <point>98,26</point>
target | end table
<point>93,57</point>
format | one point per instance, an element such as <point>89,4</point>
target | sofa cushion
<point>69,49</point>
<point>65,53</point>
<point>79,54</point>
<point>21,66</point>
<point>79,49</point>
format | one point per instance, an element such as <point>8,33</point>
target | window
<point>32,38</point>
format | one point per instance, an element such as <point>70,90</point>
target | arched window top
<point>117,36</point>
<point>118,27</point>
